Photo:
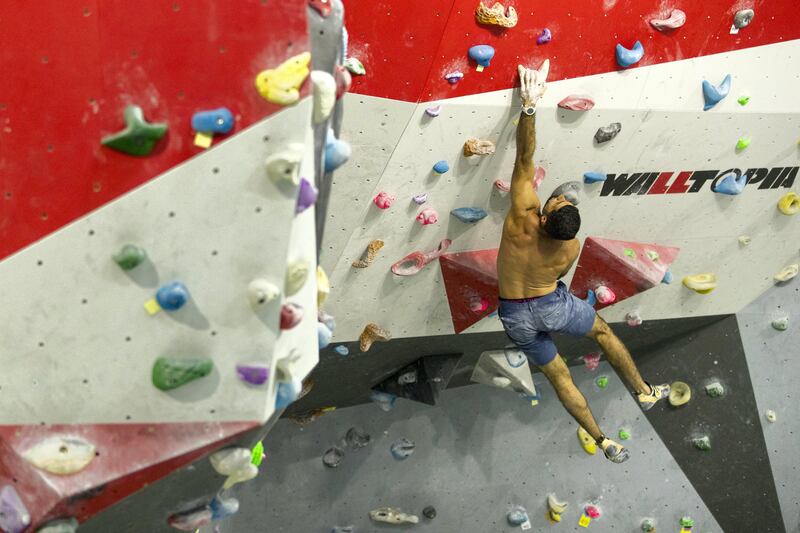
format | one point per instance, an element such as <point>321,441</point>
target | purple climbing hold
<point>421,198</point>
<point>453,77</point>
<point>253,374</point>
<point>545,37</point>
<point>307,196</point>
<point>14,517</point>
<point>433,111</point>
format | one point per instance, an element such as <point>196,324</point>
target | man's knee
<point>600,327</point>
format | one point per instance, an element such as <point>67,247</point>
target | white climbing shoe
<point>658,392</point>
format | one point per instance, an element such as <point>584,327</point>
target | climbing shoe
<point>658,392</point>
<point>614,452</point>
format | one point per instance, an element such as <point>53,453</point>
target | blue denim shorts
<point>529,322</point>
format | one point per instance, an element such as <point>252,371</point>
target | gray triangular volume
<point>494,368</point>
<point>440,369</point>
<point>422,380</point>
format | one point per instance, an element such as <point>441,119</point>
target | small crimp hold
<point>372,333</point>
<point>517,516</point>
<point>731,184</point>
<point>433,111</point>
<point>743,18</point>
<point>555,508</point>
<point>606,133</point>
<point>342,350</point>
<point>743,100</point>
<point>781,323</point>
<point>702,443</point>
<point>173,372</point>
<point>291,315</point>
<point>296,276</point>
<point>592,511</point>
<point>624,434</point>
<point>482,54</point>
<point>420,198</point>
<point>218,120</point>
<point>742,143</point>
<point>676,19</point>
<point>602,382</point>
<point>592,360</point>
<point>469,215</point>
<point>634,319</point>
<point>587,442</point>
<point>668,277</point>
<point>649,525</point>
<point>383,200</point>
<point>701,283</point>
<point>392,515</point>
<point>545,37</point>
<point>687,522</point>
<point>323,7</point>
<point>627,57</point>
<point>714,94</point>
<point>594,177</point>
<point>502,185</point>
<point>453,77</point>
<point>139,136</point>
<point>577,102</point>
<point>354,66</point>
<point>787,273</point>
<point>478,147</point>
<point>323,288</point>
<point>789,204</point>
<point>357,438</point>
<point>253,374</point>
<point>429,512</point>
<point>441,167</point>
<point>605,295</point>
<point>402,449</point>
<point>771,415</point>
<point>497,15</point>
<point>715,389</point>
<point>130,256</point>
<point>679,394</point>
<point>416,261</point>
<point>236,463</point>
<point>384,400</point>
<point>744,240</point>
<point>281,85</point>
<point>428,216</point>
<point>369,254</point>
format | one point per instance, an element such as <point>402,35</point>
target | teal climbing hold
<point>139,137</point>
<point>594,177</point>
<point>441,167</point>
<point>173,372</point>
<point>627,57</point>
<point>469,215</point>
<point>714,94</point>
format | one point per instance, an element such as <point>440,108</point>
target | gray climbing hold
<point>357,438</point>
<point>606,133</point>
<point>570,191</point>
<point>469,215</point>
<point>517,516</point>
<point>429,512</point>
<point>407,378</point>
<point>343,529</point>
<point>402,448</point>
<point>333,457</point>
<point>743,18</point>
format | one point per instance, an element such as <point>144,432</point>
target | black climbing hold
<point>429,512</point>
<point>606,133</point>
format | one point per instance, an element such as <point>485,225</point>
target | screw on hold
<point>281,85</point>
<point>482,54</point>
<point>701,283</point>
<point>441,167</point>
<point>679,394</point>
<point>139,137</point>
<point>687,521</point>
<point>469,215</point>
<point>743,100</point>
<point>172,296</point>
<point>333,457</point>
<point>789,204</point>
<point>429,512</point>
<point>129,257</point>
<point>676,19</point>
<point>402,449</point>
<point>606,133</point>
<point>453,77</point>
<point>624,434</point>
<point>715,389</point>
<point>602,382</point>
<point>742,143</point>
<point>594,177</point>
<point>517,516</point>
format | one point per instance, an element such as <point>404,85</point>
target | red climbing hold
<point>627,268</point>
<point>470,277</point>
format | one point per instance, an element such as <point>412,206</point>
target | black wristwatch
<point>529,110</point>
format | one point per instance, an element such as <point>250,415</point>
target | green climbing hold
<point>715,390</point>
<point>139,137</point>
<point>602,382</point>
<point>355,66</point>
<point>742,143</point>
<point>624,434</point>
<point>653,255</point>
<point>129,257</point>
<point>172,372</point>
<point>648,525</point>
<point>687,522</point>
<point>703,443</point>
<point>630,253</point>
<point>743,100</point>
<point>257,454</point>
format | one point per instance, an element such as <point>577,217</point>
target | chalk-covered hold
<point>62,455</point>
<point>384,200</point>
<point>497,15</point>
<point>606,133</point>
<point>742,143</point>
<point>679,394</point>
<point>517,516</point>
<point>577,102</point>
<point>223,507</point>
<point>676,19</point>
<point>254,374</point>
<point>234,462</point>
<point>629,56</point>
<point>355,66</point>
<point>392,515</point>
<point>731,184</point>
<point>261,292</point>
<point>324,335</point>
<point>714,94</point>
<point>701,283</point>
<point>291,315</point>
<point>474,146</point>
<point>428,216</point>
<point>545,37</point>
<point>787,273</point>
<point>296,276</point>
<point>605,295</point>
<point>433,111</point>
<point>743,18</point>
<point>469,215</point>
<point>218,120</point>
<point>781,323</point>
<point>454,77</point>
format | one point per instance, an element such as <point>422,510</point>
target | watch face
<point>530,110</point>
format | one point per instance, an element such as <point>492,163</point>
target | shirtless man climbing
<point>537,249</point>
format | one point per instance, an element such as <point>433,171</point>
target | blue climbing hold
<point>324,335</point>
<point>626,57</point>
<point>223,507</point>
<point>441,167</point>
<point>731,184</point>
<point>667,279</point>
<point>172,296</point>
<point>482,54</point>
<point>594,177</point>
<point>514,357</point>
<point>286,394</point>
<point>384,400</point>
<point>337,152</point>
<point>517,516</point>
<point>714,94</point>
<point>215,120</point>
<point>469,215</point>
<point>342,350</point>
<point>590,299</point>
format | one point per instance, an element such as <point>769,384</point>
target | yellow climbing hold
<point>323,286</point>
<point>679,394</point>
<point>555,507</point>
<point>281,85</point>
<point>588,443</point>
<point>789,204</point>
<point>787,273</point>
<point>701,283</point>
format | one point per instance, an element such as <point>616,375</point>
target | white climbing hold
<point>284,167</point>
<point>771,415</point>
<point>296,276</point>
<point>324,87</point>
<point>61,455</point>
<point>236,463</point>
<point>787,273</point>
<point>261,291</point>
<point>744,240</point>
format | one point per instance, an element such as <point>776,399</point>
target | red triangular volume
<point>470,279</point>
<point>627,268</point>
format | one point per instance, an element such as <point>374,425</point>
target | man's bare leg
<point>572,398</point>
<point>618,355</point>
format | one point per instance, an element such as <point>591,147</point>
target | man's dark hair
<point>563,224</point>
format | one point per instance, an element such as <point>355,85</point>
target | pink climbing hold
<point>343,80</point>
<point>592,511</point>
<point>502,185</point>
<point>478,304</point>
<point>634,319</point>
<point>577,102</point>
<point>428,216</point>
<point>416,261</point>
<point>384,200</point>
<point>291,315</point>
<point>538,176</point>
<point>676,19</point>
<point>592,360</point>
<point>605,295</point>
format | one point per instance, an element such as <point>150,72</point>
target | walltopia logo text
<point>693,181</point>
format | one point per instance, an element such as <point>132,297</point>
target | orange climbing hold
<point>478,147</point>
<point>497,15</point>
<point>369,254</point>
<point>373,333</point>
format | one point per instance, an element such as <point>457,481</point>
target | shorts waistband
<point>523,300</point>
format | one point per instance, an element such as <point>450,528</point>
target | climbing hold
<point>429,512</point>
<point>555,507</point>
<point>428,216</point>
<point>402,449</point>
<point>569,190</point>
<point>592,360</point>
<point>469,215</point>
<point>743,100</point>
<point>139,137</point>
<point>453,77</point>
<point>281,85</point>
<point>701,283</point>
<point>384,200</point>
<point>342,350</point>
<point>731,184</point>
<point>514,357</point>
<point>129,257</point>
<point>577,102</point>
<point>497,15</point>
<point>789,204</point>
<point>324,335</point>
<point>627,57</point>
<point>668,277</point>
<point>702,443</point>
<point>254,374</point>
<point>771,415</point>
<point>369,255</point>
<point>307,196</point>
<point>679,394</point>
<point>261,291</point>
<point>743,18</point>
<point>649,525</point>
<point>433,111</point>
<point>482,54</point>
<point>594,177</point>
<point>373,333</point>
<point>742,143</point>
<point>606,133</point>
<point>629,253</point>
<point>324,94</point>
<point>323,287</point>
<point>517,516</point>
<point>218,120</point>
<point>687,522</point>
<point>416,261</point>
<point>337,152</point>
<point>384,400</point>
<point>14,516</point>
<point>407,378</point>
<point>284,167</point>
<point>296,276</point>
<point>502,185</point>
<point>744,240</point>
<point>354,66</point>
<point>343,80</point>
<point>652,255</point>
<point>333,457</point>
<point>781,323</point>
<point>420,198</point>
<point>288,392</point>
<point>715,389</point>
<point>343,529</point>
<point>545,37</point>
<point>624,434</point>
<point>192,519</point>
<point>591,298</point>
<point>605,295</point>
<point>223,507</point>
<point>257,454</point>
<point>236,463</point>
<point>66,525</point>
<point>787,273</point>
<point>61,455</point>
<point>676,19</point>
<point>587,442</point>
<point>478,147</point>
<point>602,382</point>
<point>714,94</point>
<point>291,315</point>
<point>326,319</point>
<point>634,319</point>
<point>441,167</point>
<point>538,176</point>
<point>357,438</point>
<point>592,511</point>
<point>392,515</point>
<point>172,296</point>
<point>173,372</point>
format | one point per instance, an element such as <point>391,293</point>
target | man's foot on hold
<point>614,451</point>
<point>657,392</point>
